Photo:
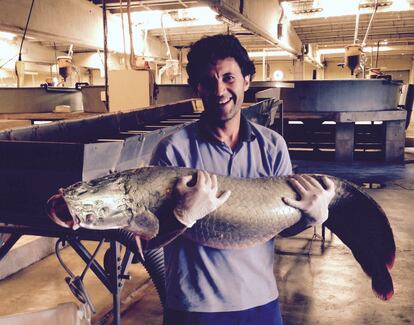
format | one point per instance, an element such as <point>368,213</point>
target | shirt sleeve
<point>160,156</point>
<point>283,165</point>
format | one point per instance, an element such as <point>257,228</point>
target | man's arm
<point>191,202</point>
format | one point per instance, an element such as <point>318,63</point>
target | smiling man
<point>206,286</point>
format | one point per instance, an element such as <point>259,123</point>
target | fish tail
<point>362,225</point>
<point>382,285</point>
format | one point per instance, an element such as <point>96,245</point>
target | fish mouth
<point>58,211</point>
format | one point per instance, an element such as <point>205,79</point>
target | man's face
<point>222,88</point>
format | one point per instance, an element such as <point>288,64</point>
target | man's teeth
<point>224,101</point>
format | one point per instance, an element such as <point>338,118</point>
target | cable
<point>25,30</point>
<point>68,271</point>
<point>165,36</point>
<point>8,60</point>
<point>132,60</point>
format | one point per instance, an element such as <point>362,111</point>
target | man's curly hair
<point>209,49</point>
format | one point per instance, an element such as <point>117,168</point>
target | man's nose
<point>220,88</point>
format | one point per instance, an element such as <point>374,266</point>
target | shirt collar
<point>246,132</point>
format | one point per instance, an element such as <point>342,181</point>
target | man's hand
<point>194,203</point>
<point>314,200</point>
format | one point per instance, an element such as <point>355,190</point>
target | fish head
<point>101,204</point>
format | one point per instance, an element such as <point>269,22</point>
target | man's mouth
<point>224,101</point>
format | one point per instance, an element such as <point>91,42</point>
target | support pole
<point>116,281</point>
<point>105,28</point>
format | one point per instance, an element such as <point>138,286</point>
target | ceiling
<point>396,27</point>
<point>137,5</point>
<point>184,36</point>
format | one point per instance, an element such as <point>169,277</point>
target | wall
<point>288,67</point>
<point>404,62</point>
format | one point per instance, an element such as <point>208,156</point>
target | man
<point>206,285</point>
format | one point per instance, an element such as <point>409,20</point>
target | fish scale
<point>253,214</point>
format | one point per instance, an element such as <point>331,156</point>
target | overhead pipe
<point>105,30</point>
<point>370,23</point>
<point>314,62</point>
<point>123,35</point>
<point>224,9</point>
<point>357,23</point>
<point>264,65</point>
<point>132,60</point>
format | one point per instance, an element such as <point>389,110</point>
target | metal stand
<point>307,250</point>
<point>112,274</point>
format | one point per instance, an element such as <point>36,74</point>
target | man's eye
<point>228,78</point>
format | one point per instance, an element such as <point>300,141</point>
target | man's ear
<point>246,82</point>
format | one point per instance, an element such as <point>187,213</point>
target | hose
<point>154,261</point>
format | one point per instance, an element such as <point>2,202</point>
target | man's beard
<point>219,116</point>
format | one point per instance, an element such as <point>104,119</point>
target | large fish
<point>141,201</point>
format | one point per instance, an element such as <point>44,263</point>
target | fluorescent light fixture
<point>331,51</point>
<point>338,7</point>
<point>260,54</point>
<point>400,5</point>
<point>7,36</point>
<point>323,8</point>
<point>367,49</point>
<point>335,8</point>
<point>374,49</point>
<point>188,17</point>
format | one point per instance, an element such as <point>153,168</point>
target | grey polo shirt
<point>204,279</point>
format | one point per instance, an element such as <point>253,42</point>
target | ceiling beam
<point>260,17</point>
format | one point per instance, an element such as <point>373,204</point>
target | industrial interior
<point>89,87</point>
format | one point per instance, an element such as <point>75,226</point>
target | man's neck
<point>228,132</point>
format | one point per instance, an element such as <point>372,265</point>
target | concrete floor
<point>314,289</point>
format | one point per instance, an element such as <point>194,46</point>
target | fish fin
<point>362,225</point>
<point>390,263</point>
<point>382,285</point>
<point>144,224</point>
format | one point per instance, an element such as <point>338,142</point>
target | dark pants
<point>268,314</point>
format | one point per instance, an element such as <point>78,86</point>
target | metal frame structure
<point>112,275</point>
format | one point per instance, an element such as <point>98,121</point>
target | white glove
<point>314,200</point>
<point>194,203</point>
